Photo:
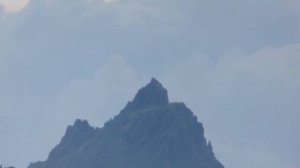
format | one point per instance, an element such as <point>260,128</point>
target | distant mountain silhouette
<point>149,132</point>
<point>7,167</point>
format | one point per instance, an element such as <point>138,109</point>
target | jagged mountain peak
<point>81,123</point>
<point>149,132</point>
<point>152,95</point>
<point>79,127</point>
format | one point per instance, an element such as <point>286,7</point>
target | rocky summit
<point>150,132</point>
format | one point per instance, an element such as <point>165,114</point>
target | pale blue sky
<point>236,64</point>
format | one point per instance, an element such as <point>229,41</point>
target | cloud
<point>101,96</point>
<point>13,5</point>
<point>133,12</point>
<point>207,26</point>
<point>293,4</point>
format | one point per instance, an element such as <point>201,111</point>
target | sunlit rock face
<point>149,132</point>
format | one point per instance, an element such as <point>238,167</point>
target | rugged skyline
<point>234,63</point>
<point>149,132</point>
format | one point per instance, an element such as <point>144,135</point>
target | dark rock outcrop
<point>149,132</point>
<point>152,95</point>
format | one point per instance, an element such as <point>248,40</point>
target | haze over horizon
<point>234,63</point>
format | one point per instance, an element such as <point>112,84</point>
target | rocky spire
<point>151,132</point>
<point>153,94</point>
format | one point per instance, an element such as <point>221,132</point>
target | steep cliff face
<point>149,132</point>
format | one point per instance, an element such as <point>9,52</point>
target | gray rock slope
<point>149,132</point>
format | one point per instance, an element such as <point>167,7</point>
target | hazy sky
<point>235,63</point>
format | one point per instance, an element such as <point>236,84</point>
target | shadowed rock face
<point>152,95</point>
<point>149,132</point>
